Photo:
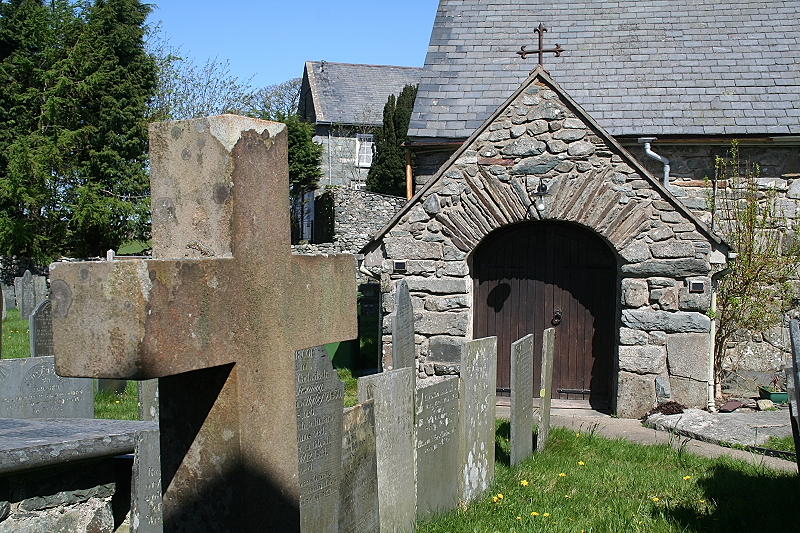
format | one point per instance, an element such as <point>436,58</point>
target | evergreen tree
<point>305,155</point>
<point>387,175</point>
<point>74,85</point>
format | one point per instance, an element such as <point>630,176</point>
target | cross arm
<point>138,319</point>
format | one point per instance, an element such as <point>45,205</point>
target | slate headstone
<point>320,400</point>
<point>30,388</point>
<point>521,399</point>
<point>148,400</point>
<point>9,297</point>
<point>146,509</point>
<point>794,393</point>
<point>438,445</point>
<point>358,492</point>
<point>546,393</point>
<point>40,330</point>
<point>395,438</point>
<point>477,416</point>
<point>403,349</point>
<point>25,290</point>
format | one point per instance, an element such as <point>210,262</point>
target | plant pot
<point>776,397</point>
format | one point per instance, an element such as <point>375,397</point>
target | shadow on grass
<point>502,442</point>
<point>772,502</point>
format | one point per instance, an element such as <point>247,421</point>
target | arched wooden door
<point>532,276</point>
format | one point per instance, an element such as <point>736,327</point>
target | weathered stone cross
<point>219,323</point>
<point>524,52</point>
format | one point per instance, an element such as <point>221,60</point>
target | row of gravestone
<point>26,293</point>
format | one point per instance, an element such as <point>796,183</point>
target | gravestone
<point>793,381</point>
<point>320,400</point>
<point>438,445</point>
<point>358,493</point>
<point>148,400</point>
<point>403,349</point>
<point>9,297</point>
<point>219,324</point>
<point>521,399</point>
<point>30,388</point>
<point>395,439</point>
<point>477,416</point>
<point>25,290</point>
<point>546,392</point>
<point>40,329</point>
<point>146,510</point>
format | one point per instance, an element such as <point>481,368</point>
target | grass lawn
<point>350,386</point>
<point>592,484</point>
<point>784,444</point>
<point>112,406</point>
<point>16,341</point>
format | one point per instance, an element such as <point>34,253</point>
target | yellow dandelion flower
<point>495,499</point>
<point>655,499</point>
<point>577,434</point>
<point>524,483</point>
<point>562,474</point>
<point>687,478</point>
<point>116,401</point>
<point>546,514</point>
<point>702,501</point>
<point>567,496</point>
<point>581,463</point>
<point>519,518</point>
<point>500,495</point>
<point>534,513</point>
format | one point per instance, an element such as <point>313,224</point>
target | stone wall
<point>339,155</point>
<point>661,247</point>
<point>754,357</point>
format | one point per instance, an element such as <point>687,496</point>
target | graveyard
<point>533,339</point>
<point>413,454</point>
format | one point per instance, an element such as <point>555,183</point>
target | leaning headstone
<point>30,388</point>
<point>477,416</point>
<point>546,393</point>
<point>403,349</point>
<point>320,400</point>
<point>358,492</point>
<point>395,439</point>
<point>40,328</point>
<point>438,445</point>
<point>25,290</point>
<point>521,399</point>
<point>794,383</point>
<point>227,393</point>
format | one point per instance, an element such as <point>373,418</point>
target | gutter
<point>646,142</point>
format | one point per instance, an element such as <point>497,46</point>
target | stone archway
<point>531,276</point>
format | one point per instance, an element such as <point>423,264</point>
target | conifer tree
<point>387,175</point>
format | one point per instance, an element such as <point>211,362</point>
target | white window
<point>364,146</point>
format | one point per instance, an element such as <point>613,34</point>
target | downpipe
<point>647,150</point>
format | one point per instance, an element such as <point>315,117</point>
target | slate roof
<point>344,93</point>
<point>661,67</point>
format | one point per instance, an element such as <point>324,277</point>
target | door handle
<point>557,316</point>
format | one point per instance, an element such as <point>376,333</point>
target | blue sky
<point>270,40</point>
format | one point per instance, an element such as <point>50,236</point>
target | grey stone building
<point>693,75</point>
<point>345,103</point>
<point>542,218</point>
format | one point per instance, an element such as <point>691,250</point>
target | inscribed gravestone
<point>9,297</point>
<point>438,445</point>
<point>358,493</point>
<point>146,511</point>
<point>41,330</point>
<point>546,393</point>
<point>521,399</point>
<point>25,290</point>
<point>395,439</point>
<point>477,417</point>
<point>227,391</point>
<point>30,388</point>
<point>320,400</point>
<point>403,349</point>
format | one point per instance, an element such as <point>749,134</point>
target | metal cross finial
<point>524,53</point>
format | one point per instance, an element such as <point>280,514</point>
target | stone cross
<point>524,52</point>
<point>218,322</point>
